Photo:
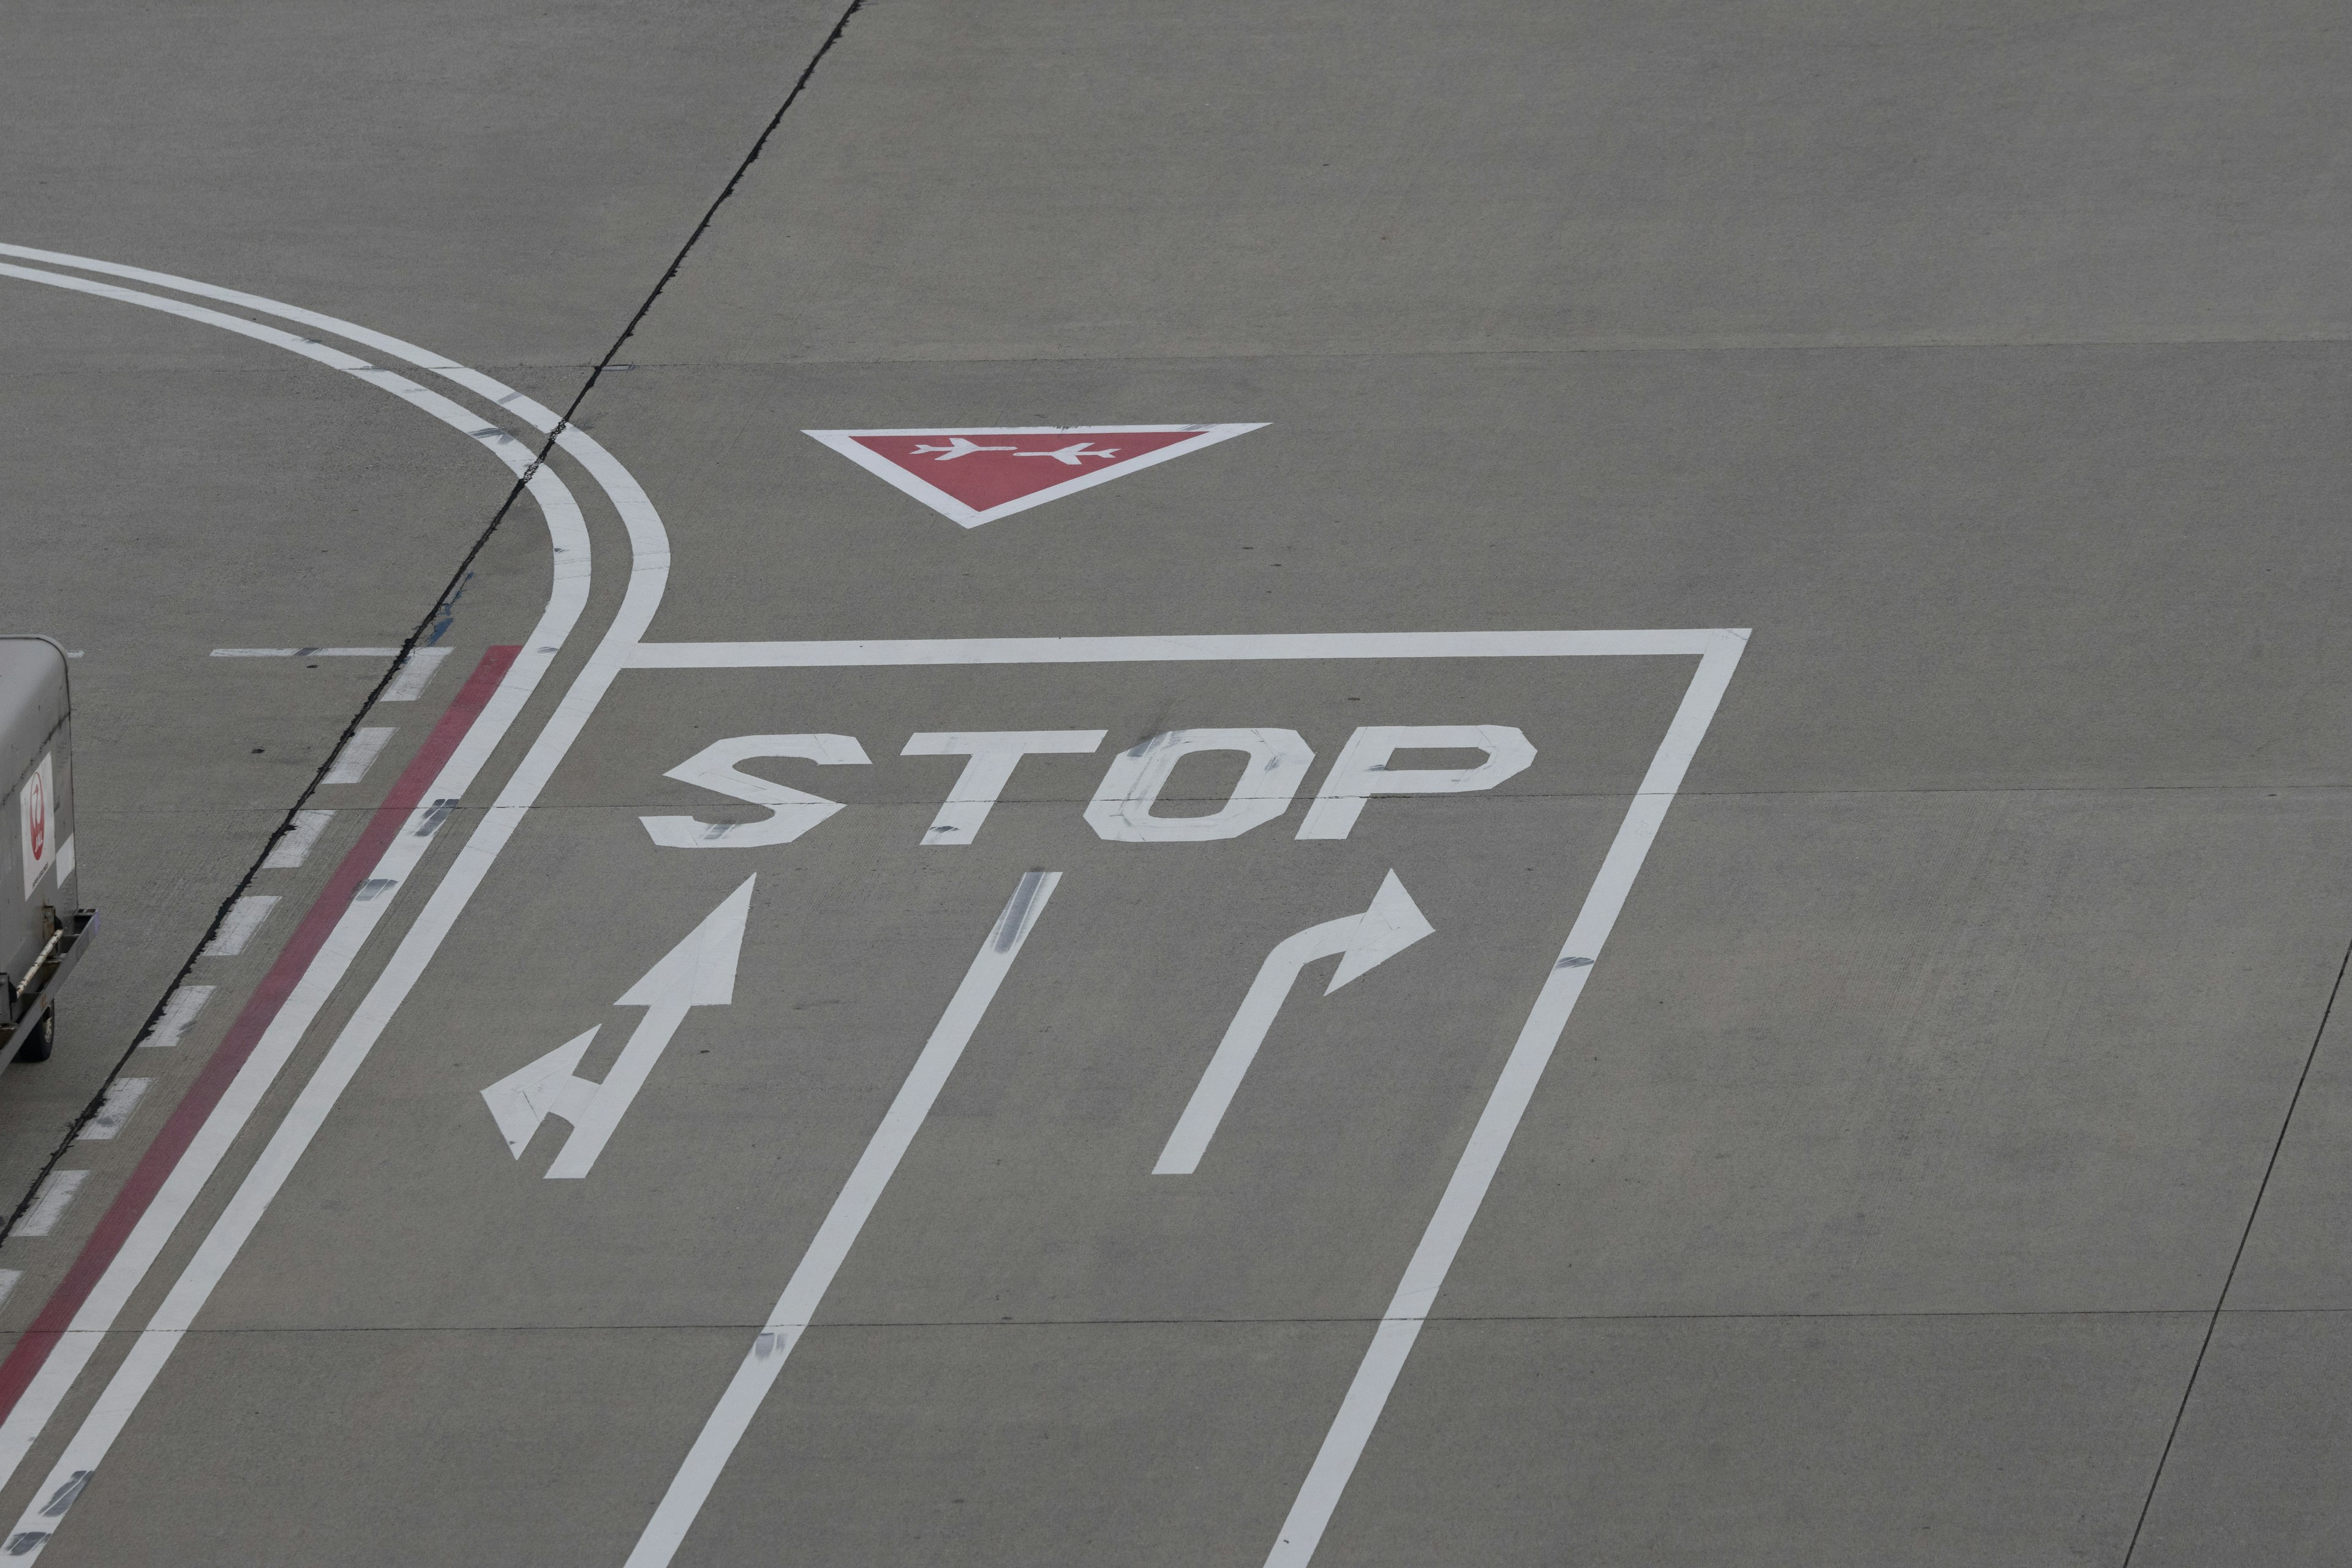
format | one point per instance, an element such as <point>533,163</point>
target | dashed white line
<point>179,1012</point>
<point>299,840</point>
<point>358,756</point>
<point>56,1373</point>
<point>8,1278</point>
<point>245,918</point>
<point>417,668</point>
<point>57,1196</point>
<point>122,1097</point>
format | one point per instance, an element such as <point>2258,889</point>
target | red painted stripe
<point>188,1117</point>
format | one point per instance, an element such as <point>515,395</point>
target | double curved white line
<point>649,576</point>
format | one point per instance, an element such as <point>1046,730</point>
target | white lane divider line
<point>244,919</point>
<point>1206,648</point>
<point>56,1196</point>
<point>8,1278</point>
<point>122,1097</point>
<point>417,668</point>
<point>295,846</point>
<point>358,756</point>
<point>1425,1274</point>
<point>822,1261</point>
<point>179,1012</point>
<point>305,652</point>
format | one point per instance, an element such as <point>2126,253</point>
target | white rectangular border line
<point>1242,646</point>
<point>956,512</point>
<point>1425,1275</point>
<point>1718,650</point>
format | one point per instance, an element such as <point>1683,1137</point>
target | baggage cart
<point>44,929</point>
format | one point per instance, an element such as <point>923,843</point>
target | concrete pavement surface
<point>1070,785</point>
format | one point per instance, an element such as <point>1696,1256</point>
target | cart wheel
<point>42,1040</point>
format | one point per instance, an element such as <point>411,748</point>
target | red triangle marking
<point>986,471</point>
<point>976,476</point>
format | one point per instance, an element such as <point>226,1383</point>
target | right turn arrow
<point>1393,923</point>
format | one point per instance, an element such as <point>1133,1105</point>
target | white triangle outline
<point>844,442</point>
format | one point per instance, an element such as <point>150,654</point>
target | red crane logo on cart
<point>33,847</point>
<point>978,476</point>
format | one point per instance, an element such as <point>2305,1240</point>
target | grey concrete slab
<point>2087,567</point>
<point>2255,1475</point>
<point>1962,357</point>
<point>1145,1443</point>
<point>386,1447</point>
<point>500,182</point>
<point>1935,1051</point>
<point>2295,1258</point>
<point>1025,1199</point>
<point>1847,1440</point>
<point>1224,180</point>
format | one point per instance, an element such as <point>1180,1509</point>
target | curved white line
<point>568,596</point>
<point>511,451</point>
<point>649,576</point>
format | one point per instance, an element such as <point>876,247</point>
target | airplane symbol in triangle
<point>973,477</point>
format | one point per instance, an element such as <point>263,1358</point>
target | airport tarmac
<point>1046,785</point>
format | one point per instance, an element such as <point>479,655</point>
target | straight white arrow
<point>1393,923</point>
<point>699,972</point>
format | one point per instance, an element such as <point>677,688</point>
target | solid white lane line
<point>295,845</point>
<point>304,652</point>
<point>8,1278</point>
<point>1166,649</point>
<point>239,926</point>
<point>56,1196</point>
<point>359,754</point>
<point>568,595</point>
<point>797,1305</point>
<point>179,1010</point>
<point>1425,1275</point>
<point>122,1097</point>
<point>416,669</point>
<point>648,577</point>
